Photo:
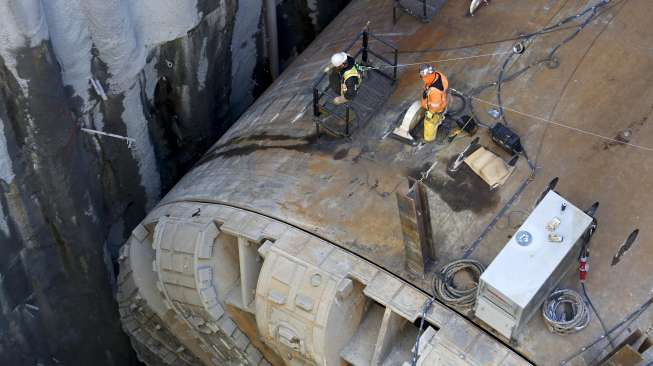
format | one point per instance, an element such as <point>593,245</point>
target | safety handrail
<point>364,52</point>
<point>387,43</point>
<point>424,17</point>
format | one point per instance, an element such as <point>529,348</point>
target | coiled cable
<point>560,322</point>
<point>446,290</point>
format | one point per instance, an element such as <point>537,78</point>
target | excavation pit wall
<point>158,73</point>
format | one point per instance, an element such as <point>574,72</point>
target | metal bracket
<point>130,141</point>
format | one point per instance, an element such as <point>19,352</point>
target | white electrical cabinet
<point>529,267</point>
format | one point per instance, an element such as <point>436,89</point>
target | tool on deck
<point>486,164</point>
<point>506,138</point>
<point>473,146</point>
<point>475,4</point>
<point>463,124</point>
<point>625,246</point>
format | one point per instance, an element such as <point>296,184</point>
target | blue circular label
<point>523,238</point>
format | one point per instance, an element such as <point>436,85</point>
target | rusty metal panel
<point>626,356</point>
<point>415,226</point>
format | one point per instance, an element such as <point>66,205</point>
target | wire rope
<point>446,289</point>
<point>561,322</point>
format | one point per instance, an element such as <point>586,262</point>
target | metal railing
<point>423,10</point>
<point>365,51</point>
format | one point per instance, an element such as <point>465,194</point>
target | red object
<point>583,267</point>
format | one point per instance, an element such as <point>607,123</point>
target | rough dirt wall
<point>64,190</point>
<point>169,74</point>
<point>299,22</point>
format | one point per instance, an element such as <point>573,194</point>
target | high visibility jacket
<point>351,79</point>
<point>434,96</point>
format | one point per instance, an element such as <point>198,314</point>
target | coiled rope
<point>445,288</point>
<point>561,322</point>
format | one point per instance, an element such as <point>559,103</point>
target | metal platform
<point>344,120</point>
<point>379,77</point>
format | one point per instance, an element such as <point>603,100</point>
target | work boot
<point>339,100</point>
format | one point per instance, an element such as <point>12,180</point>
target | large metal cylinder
<point>286,246</point>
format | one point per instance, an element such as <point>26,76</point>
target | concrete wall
<point>174,74</point>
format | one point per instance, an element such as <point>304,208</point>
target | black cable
<point>551,56</point>
<point>503,78</point>
<point>585,252</point>
<point>500,85</point>
<point>563,322</point>
<point>476,45</point>
<point>458,111</point>
<point>558,27</point>
<point>589,301</point>
<point>595,11</point>
<point>446,290</point>
<point>627,320</point>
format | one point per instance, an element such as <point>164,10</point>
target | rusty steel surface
<point>271,162</point>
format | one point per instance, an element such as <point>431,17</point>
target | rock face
<point>168,77</point>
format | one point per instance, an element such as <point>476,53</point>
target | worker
<point>345,77</point>
<point>434,100</point>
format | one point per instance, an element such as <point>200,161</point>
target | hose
<point>463,103</point>
<point>590,13</point>
<point>589,301</point>
<point>446,290</point>
<point>560,322</point>
<point>615,331</point>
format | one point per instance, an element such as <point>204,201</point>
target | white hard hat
<point>338,59</point>
<point>426,69</point>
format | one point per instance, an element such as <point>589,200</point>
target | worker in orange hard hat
<point>434,100</point>
<point>345,77</point>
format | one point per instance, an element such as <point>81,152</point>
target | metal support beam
<point>416,228</point>
<point>272,36</point>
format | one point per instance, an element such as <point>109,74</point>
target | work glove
<point>339,100</point>
<point>328,69</point>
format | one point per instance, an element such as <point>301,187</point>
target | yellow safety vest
<point>349,73</point>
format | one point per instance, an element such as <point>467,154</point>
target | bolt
<point>316,280</point>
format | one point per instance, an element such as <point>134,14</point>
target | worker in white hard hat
<point>345,77</point>
<point>434,99</point>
